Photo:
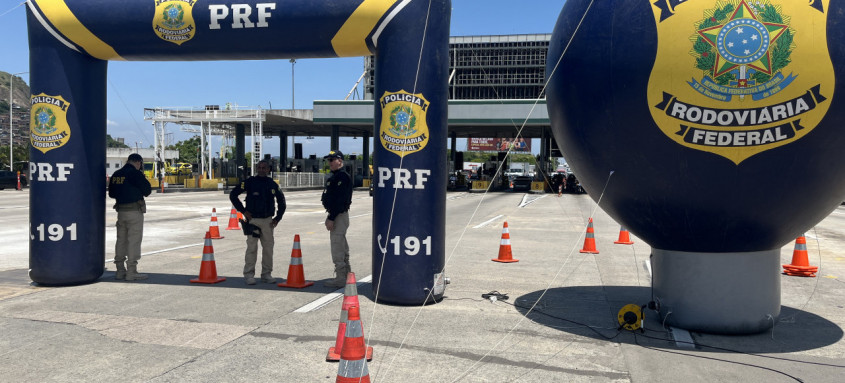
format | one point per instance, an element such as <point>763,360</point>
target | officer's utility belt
<point>139,205</point>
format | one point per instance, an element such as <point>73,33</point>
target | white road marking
<point>13,207</point>
<point>164,250</point>
<point>329,298</point>
<point>526,203</point>
<point>351,216</point>
<point>485,223</point>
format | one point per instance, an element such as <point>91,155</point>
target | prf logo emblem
<point>174,20</point>
<point>738,77</point>
<point>48,126</point>
<point>403,128</point>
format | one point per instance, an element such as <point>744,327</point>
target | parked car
<point>522,183</point>
<point>180,168</point>
<point>9,179</point>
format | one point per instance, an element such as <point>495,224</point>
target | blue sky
<point>134,86</point>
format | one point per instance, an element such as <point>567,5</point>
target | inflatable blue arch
<point>71,42</point>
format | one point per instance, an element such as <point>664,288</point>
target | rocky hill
<point>20,96</point>
<point>20,113</point>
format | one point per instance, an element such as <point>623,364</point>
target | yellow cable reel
<point>630,317</point>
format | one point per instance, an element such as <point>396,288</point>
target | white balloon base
<point>717,293</point>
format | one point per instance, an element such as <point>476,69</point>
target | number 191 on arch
<point>54,232</point>
<point>410,246</point>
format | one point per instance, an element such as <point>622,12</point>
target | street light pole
<point>292,94</point>
<point>11,133</point>
<point>292,64</point>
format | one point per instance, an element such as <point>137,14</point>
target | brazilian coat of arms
<point>173,21</point>
<point>48,128</point>
<point>403,128</point>
<point>739,77</point>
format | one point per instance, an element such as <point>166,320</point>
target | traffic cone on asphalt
<point>800,266</point>
<point>213,228</point>
<point>296,274</point>
<point>590,240</point>
<point>233,220</point>
<point>353,364</point>
<point>505,254</point>
<point>624,237</point>
<point>208,269</point>
<point>350,298</point>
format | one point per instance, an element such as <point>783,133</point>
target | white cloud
<point>111,123</point>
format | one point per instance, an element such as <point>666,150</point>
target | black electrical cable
<point>463,299</point>
<point>710,358</point>
<point>568,320</point>
<point>693,343</point>
<point>743,352</point>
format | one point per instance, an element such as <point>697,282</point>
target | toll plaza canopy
<point>467,118</point>
<point>354,118</point>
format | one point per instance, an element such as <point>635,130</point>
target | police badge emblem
<point>403,123</point>
<point>174,20</point>
<point>48,127</point>
<point>738,77</point>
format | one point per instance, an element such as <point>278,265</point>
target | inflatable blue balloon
<point>719,121</point>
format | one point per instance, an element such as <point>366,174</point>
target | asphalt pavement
<point>554,318</point>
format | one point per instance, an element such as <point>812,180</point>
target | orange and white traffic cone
<point>624,237</point>
<point>800,266</point>
<point>296,273</point>
<point>590,240</point>
<point>350,298</point>
<point>213,228</point>
<point>208,269</point>
<point>505,254</point>
<point>233,220</point>
<point>353,364</point>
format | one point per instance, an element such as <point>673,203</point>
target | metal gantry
<point>208,121</point>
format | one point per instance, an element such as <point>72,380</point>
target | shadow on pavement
<point>20,278</point>
<point>591,311</point>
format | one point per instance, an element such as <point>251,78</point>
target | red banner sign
<point>518,145</point>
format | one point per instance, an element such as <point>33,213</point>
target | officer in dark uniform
<point>128,186</point>
<point>260,211</point>
<point>337,196</point>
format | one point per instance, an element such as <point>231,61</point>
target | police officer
<point>261,191</point>
<point>337,196</point>
<point>128,186</point>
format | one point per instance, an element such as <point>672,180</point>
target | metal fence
<point>292,180</point>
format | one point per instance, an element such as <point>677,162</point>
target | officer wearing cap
<point>337,196</point>
<point>262,196</point>
<point>128,186</point>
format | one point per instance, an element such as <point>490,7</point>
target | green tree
<point>188,149</point>
<point>21,154</point>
